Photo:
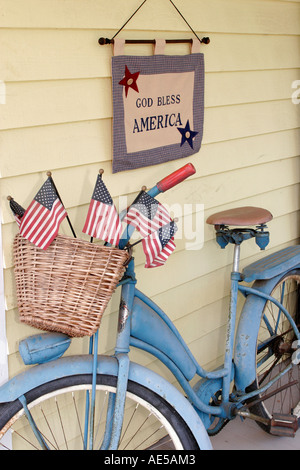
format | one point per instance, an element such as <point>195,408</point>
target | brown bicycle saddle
<point>241,216</point>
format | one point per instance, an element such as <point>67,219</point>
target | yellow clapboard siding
<point>249,119</point>
<point>212,190</point>
<point>246,120</point>
<point>223,188</point>
<point>238,87</point>
<point>84,143</point>
<point>244,16</point>
<point>248,151</point>
<point>246,52</point>
<point>77,143</point>
<point>41,54</point>
<point>67,101</point>
<point>88,99</point>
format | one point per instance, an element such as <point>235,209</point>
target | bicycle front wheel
<point>59,411</point>
<point>275,348</point>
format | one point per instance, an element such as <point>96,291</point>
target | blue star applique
<point>187,135</point>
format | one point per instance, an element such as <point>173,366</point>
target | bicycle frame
<point>143,325</point>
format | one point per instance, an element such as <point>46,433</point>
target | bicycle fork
<point>116,404</point>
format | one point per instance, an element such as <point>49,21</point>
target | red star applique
<point>129,81</point>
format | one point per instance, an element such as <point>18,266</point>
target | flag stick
<point>49,174</point>
<point>100,173</point>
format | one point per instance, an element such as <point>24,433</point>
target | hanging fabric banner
<point>158,106</point>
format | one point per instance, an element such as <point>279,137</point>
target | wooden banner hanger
<point>103,41</point>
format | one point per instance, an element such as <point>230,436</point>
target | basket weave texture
<point>67,287</point>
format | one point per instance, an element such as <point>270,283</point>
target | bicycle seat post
<point>235,278</point>
<point>236,258</point>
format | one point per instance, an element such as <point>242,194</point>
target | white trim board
<point>3,339</point>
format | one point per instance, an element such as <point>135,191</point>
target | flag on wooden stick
<point>41,221</point>
<point>17,210</point>
<point>159,245</point>
<point>103,221</point>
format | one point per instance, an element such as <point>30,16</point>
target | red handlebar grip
<point>177,177</point>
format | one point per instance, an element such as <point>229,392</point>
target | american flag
<point>17,210</point>
<point>42,219</point>
<point>103,221</point>
<point>159,245</point>
<point>147,215</point>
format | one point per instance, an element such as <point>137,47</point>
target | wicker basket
<point>67,287</point>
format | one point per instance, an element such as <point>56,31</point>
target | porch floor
<point>247,435</point>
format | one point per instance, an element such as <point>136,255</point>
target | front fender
<point>73,365</point>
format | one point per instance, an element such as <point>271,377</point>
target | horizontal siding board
<point>247,151</point>
<point>84,143</point>
<point>211,190</point>
<point>246,52</point>
<point>231,88</point>
<point>251,16</point>
<point>245,120</point>
<point>67,54</point>
<point>89,99</point>
<point>52,54</point>
<point>67,101</point>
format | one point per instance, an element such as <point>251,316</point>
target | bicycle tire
<point>148,403</point>
<point>277,353</point>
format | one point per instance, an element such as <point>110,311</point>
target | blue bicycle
<point>108,402</point>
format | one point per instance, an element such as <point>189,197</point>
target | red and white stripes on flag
<point>41,221</point>
<point>103,221</point>
<point>147,215</point>
<point>159,245</point>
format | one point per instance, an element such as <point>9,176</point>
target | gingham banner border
<point>156,64</point>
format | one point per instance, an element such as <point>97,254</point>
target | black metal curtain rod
<point>104,41</point>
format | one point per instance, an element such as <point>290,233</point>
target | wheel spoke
<point>61,423</point>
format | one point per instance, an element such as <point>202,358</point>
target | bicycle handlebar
<point>176,177</point>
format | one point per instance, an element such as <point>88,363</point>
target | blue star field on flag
<point>146,214</point>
